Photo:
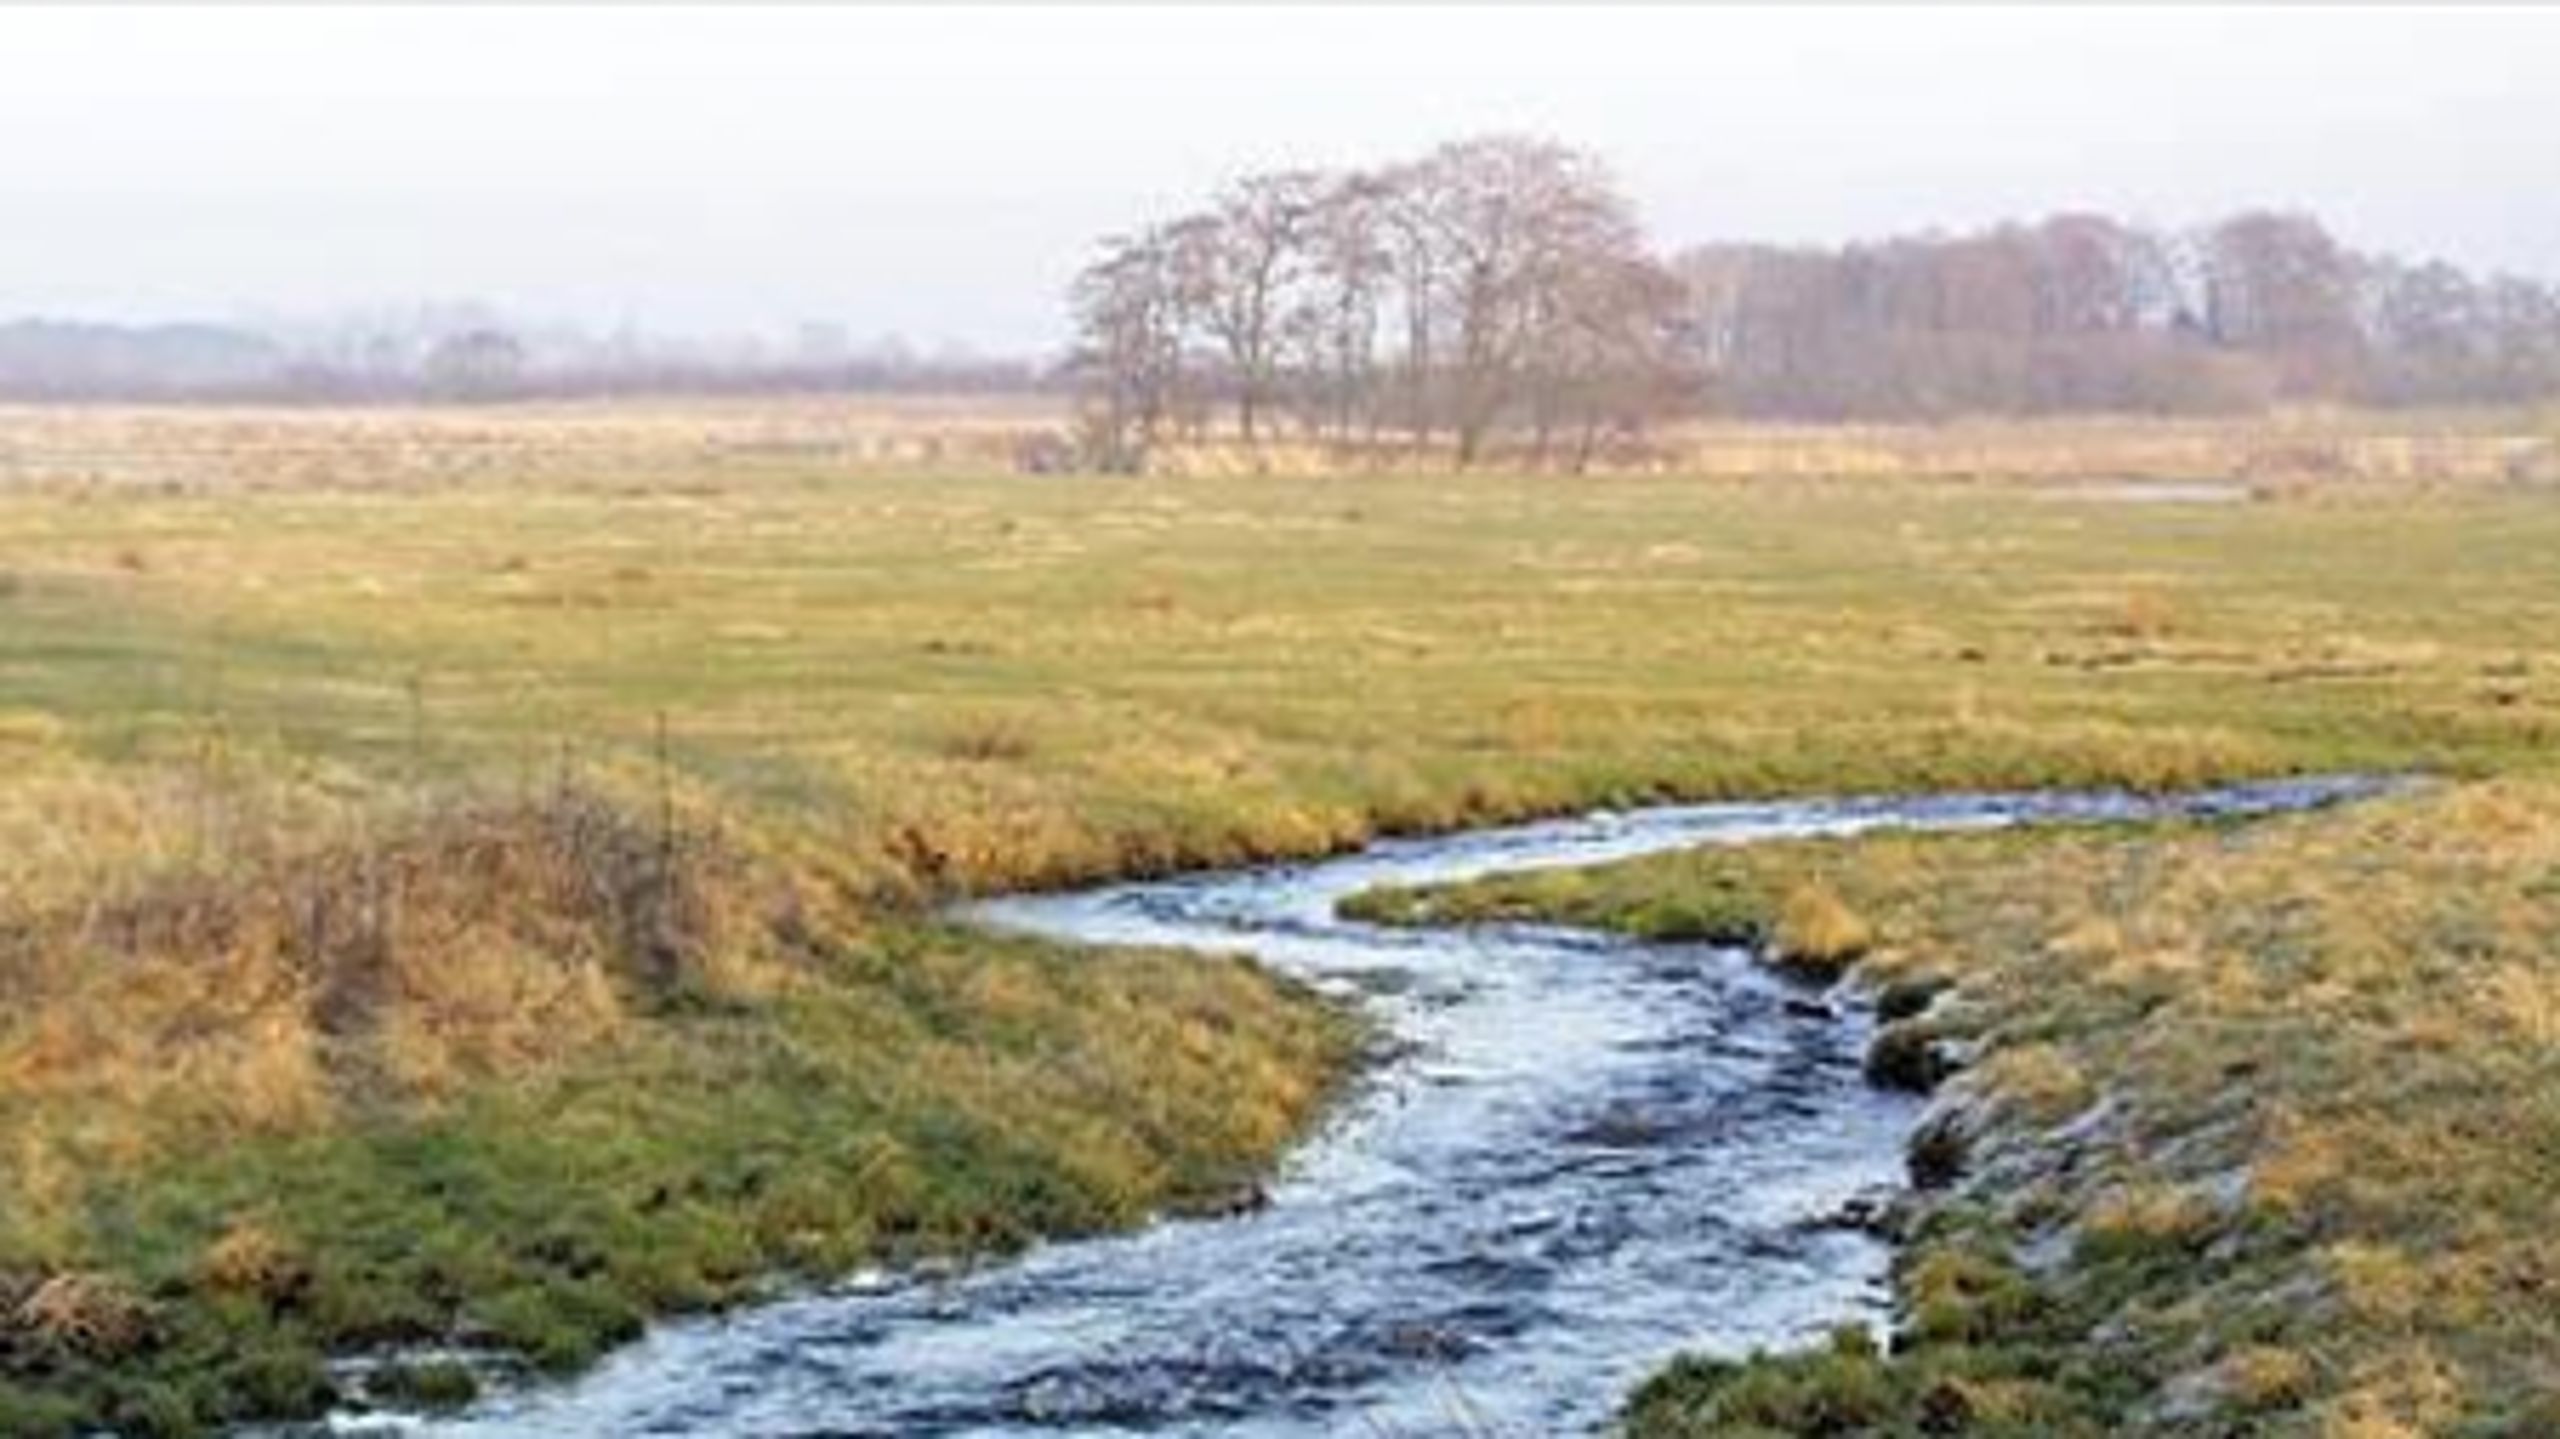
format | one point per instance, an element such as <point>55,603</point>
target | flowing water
<point>1586,1155</point>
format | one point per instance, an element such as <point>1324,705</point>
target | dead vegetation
<point>664,448</point>
<point>660,446</point>
<point>1817,933</point>
<point>488,940</point>
<point>76,1315</point>
<point>528,1071</point>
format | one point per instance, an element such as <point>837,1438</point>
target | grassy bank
<point>525,1076</point>
<point>2256,1129</point>
<point>391,845</point>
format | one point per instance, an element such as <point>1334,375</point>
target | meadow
<point>458,884</point>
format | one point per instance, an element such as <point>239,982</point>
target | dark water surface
<point>1591,1153</point>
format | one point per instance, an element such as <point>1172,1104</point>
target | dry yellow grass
<point>1815,929</point>
<point>623,445</point>
<point>2285,1095</point>
<point>257,668</point>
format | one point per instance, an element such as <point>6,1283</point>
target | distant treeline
<point>42,359</point>
<point>433,360</point>
<point>2086,312</point>
<point>1502,288</point>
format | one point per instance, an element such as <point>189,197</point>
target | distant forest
<point>463,354</point>
<point>1500,290</point>
<point>1503,287</point>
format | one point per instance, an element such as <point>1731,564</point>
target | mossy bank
<point>2252,1128</point>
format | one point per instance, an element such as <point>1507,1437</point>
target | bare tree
<point>2095,275</point>
<point>2278,284</point>
<point>1412,205</point>
<point>2521,319</point>
<point>1500,286</point>
<point>2426,329</point>
<point>1514,220</point>
<point>1613,362</point>
<point>1351,269</point>
<point>1239,263</point>
<point>1128,357</point>
<point>476,364</point>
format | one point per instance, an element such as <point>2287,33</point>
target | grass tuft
<point>78,1315</point>
<point>1817,934</point>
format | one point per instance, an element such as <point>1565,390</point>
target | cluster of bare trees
<point>1501,289</point>
<point>2086,313</point>
<point>1491,286</point>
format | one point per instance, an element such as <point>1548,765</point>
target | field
<point>418,825</point>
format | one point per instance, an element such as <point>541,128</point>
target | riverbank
<point>508,1088</point>
<point>2248,1126</point>
<point>1511,1214</point>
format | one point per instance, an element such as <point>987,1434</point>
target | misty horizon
<point>750,174</point>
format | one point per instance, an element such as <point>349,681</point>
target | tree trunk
<point>1470,442</point>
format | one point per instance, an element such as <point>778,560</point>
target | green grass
<point>1033,681</point>
<point>241,726</point>
<point>2259,1134</point>
<point>922,1092</point>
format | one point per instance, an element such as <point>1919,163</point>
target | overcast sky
<point>939,173</point>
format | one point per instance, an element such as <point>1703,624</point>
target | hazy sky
<point>939,173</point>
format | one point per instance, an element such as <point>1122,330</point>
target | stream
<point>1585,1154</point>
